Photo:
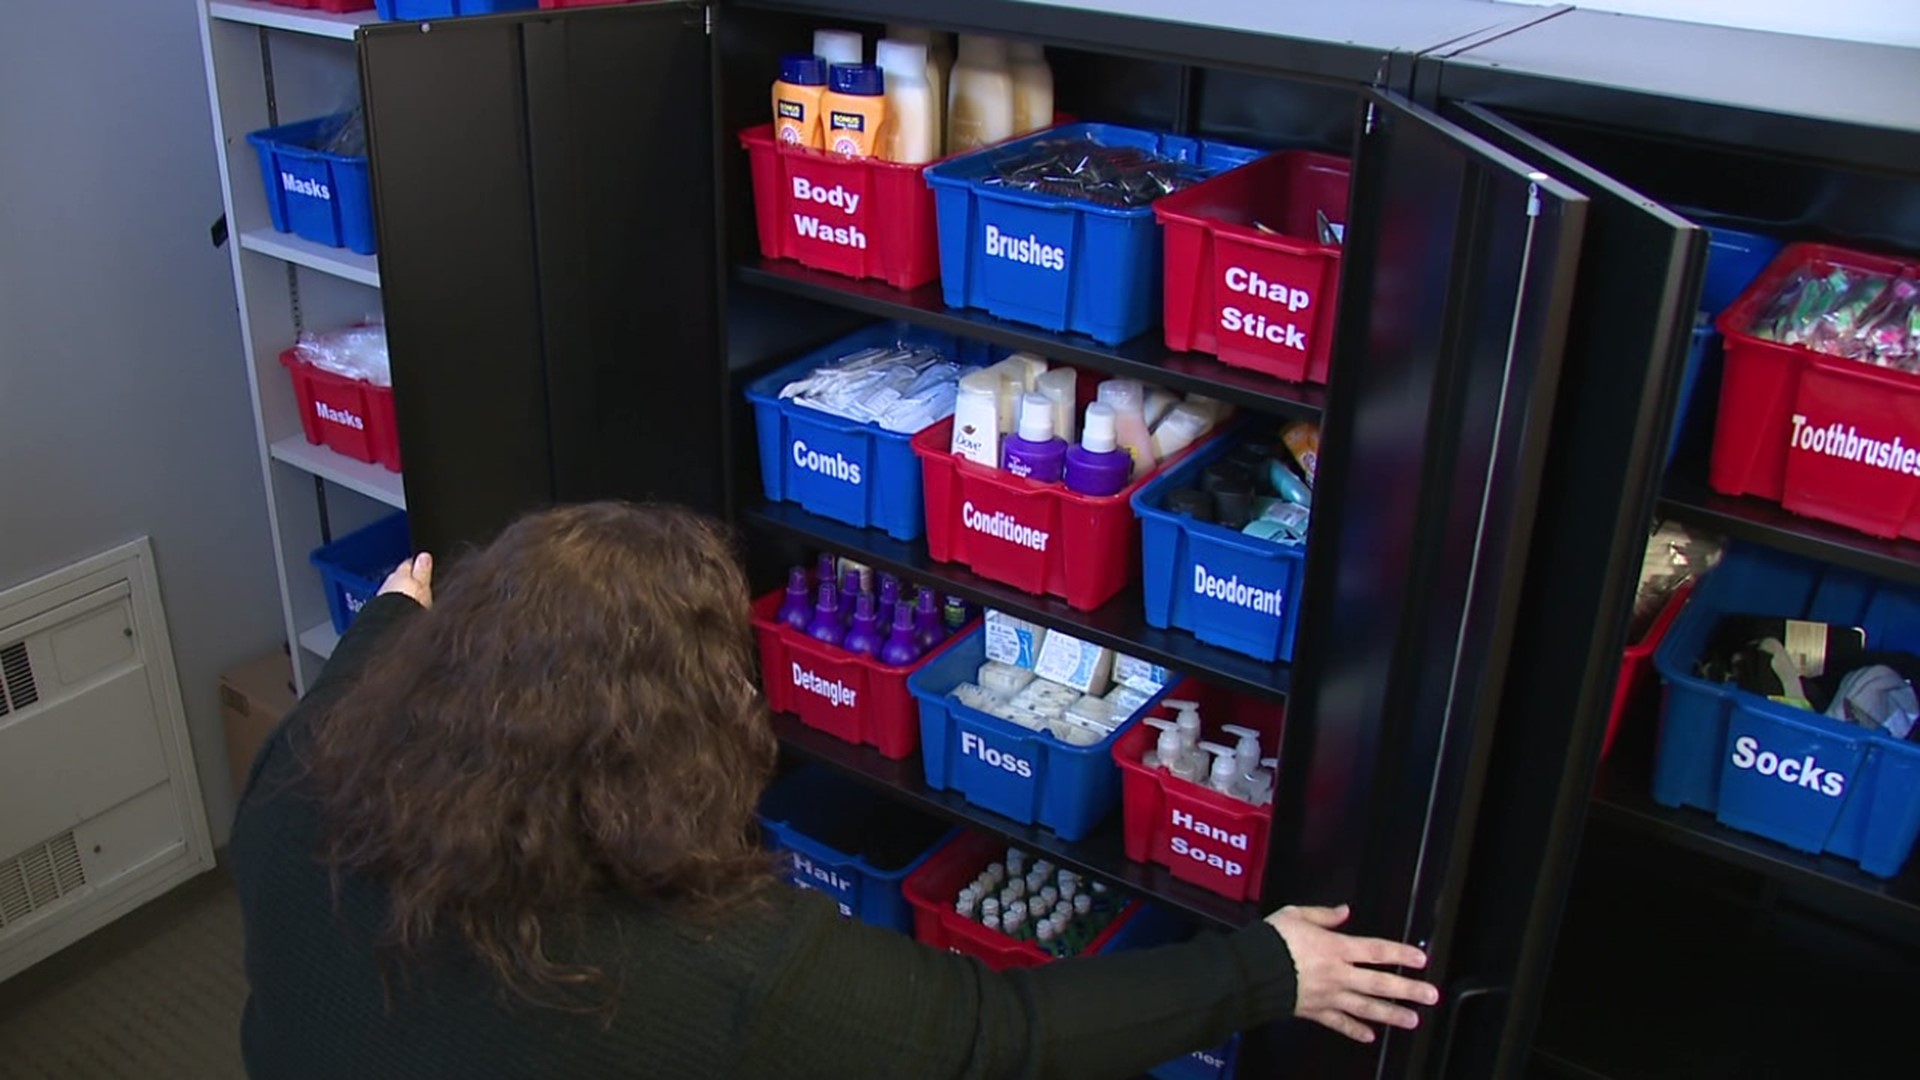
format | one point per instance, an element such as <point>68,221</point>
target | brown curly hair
<point>574,720</point>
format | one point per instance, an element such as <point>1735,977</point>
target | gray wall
<point>123,388</point>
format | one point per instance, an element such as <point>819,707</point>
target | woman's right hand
<point>1335,987</point>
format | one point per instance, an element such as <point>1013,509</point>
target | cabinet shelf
<point>1119,624</point>
<point>1687,498</point>
<point>341,263</point>
<point>373,481</point>
<point>296,20</point>
<point>1145,357</point>
<point>1102,854</point>
<point>320,640</point>
<point>1620,797</point>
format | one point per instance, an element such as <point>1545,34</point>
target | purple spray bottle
<point>849,592</point>
<point>899,651</point>
<point>1033,452</point>
<point>928,630</point>
<point>1098,466</point>
<point>827,625</point>
<point>796,610</point>
<point>863,636</point>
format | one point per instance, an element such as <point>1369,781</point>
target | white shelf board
<point>320,640</point>
<point>280,17</point>
<point>373,481</point>
<point>339,262</point>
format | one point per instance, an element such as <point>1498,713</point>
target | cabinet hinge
<point>1369,126</point>
<point>709,18</point>
<point>1533,199</point>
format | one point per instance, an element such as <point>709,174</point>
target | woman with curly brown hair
<point>508,833</point>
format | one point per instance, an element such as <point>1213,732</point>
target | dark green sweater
<point>787,989</point>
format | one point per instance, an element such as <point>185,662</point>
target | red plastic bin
<point>334,7</point>
<point>1638,680</point>
<point>1256,299</point>
<point>348,416</point>
<point>854,698</point>
<point>931,890</point>
<point>1826,437</point>
<point>580,3</point>
<point>1203,837</point>
<point>861,217</point>
<point>1033,536</point>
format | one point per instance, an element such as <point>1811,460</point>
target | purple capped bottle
<point>928,630</point>
<point>899,650</point>
<point>827,624</point>
<point>796,609</point>
<point>863,635</point>
<point>849,592</point>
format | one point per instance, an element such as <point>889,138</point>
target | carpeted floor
<point>155,995</point>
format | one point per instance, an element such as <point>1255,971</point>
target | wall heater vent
<point>17,688</point>
<point>40,876</point>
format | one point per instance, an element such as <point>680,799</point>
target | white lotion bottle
<point>909,135</point>
<point>1128,401</point>
<point>939,63</point>
<point>1032,87</point>
<point>976,419</point>
<point>980,96</point>
<point>839,46</point>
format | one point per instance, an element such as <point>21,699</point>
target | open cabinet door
<point>1453,312</point>
<point>1639,284</point>
<point>544,189</point>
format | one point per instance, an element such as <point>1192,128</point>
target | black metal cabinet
<point>575,301</point>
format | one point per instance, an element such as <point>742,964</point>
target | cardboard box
<point>253,698</point>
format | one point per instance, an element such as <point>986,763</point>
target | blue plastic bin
<point>1796,777</point>
<point>1734,259</point>
<point>321,196</point>
<point>861,474</point>
<point>1223,587</point>
<point>1065,264</point>
<point>1153,927</point>
<point>810,802</point>
<point>1015,772</point>
<point>411,10</point>
<point>352,567</point>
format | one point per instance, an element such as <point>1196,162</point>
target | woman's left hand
<point>413,578</point>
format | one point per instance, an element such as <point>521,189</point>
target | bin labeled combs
<point>313,192</point>
<point>848,843</point>
<point>1824,436</point>
<point>1794,776</point>
<point>1053,261</point>
<point>352,567</point>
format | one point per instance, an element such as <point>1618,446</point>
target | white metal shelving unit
<point>268,64</point>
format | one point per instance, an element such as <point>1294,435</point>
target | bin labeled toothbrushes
<point>847,470</point>
<point>931,890</point>
<point>849,843</point>
<point>1211,839</point>
<point>1012,770</point>
<point>853,697</point>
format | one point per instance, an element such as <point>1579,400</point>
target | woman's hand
<point>1335,990</point>
<point>413,578</point>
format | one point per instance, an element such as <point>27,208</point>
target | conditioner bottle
<point>980,96</point>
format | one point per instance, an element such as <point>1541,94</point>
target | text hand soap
<point>1032,87</point>
<point>796,100</point>
<point>980,95</point>
<point>855,109</point>
<point>910,138</point>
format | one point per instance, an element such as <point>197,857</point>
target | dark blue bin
<point>1026,775</point>
<point>1153,927</point>
<point>1221,586</point>
<point>858,473</point>
<point>352,567</point>
<point>864,881</point>
<point>1065,264</point>
<point>321,196</point>
<point>412,10</point>
<point>1793,776</point>
<point>1734,259</point>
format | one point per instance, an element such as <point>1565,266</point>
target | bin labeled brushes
<point>848,464</point>
<point>1820,399</point>
<point>1056,229</point>
<point>1021,721</point>
<point>1253,263</point>
<point>1198,781</point>
<point>315,174</point>
<point>861,217</point>
<point>849,843</point>
<point>979,897</point>
<point>352,567</point>
<point>1223,539</point>
<point>835,670</point>
<point>1840,775</point>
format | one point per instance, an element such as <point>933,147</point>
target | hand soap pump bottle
<point>827,625</point>
<point>1246,748</point>
<point>1224,776</point>
<point>1033,452</point>
<point>898,650</point>
<point>1097,466</point>
<point>796,608</point>
<point>1166,749</point>
<point>863,636</point>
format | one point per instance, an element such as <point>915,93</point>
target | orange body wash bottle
<point>797,99</point>
<point>855,109</point>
